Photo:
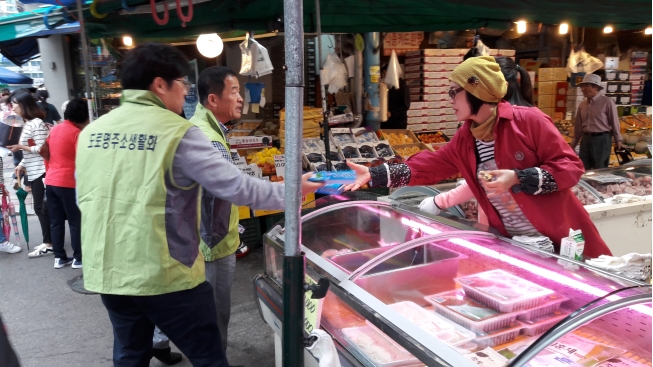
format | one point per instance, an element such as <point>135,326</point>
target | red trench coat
<point>524,138</point>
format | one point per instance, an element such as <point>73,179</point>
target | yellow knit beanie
<point>482,77</point>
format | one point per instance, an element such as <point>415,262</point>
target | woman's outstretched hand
<point>362,176</point>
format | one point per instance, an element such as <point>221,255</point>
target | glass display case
<point>633,178</point>
<point>412,290</point>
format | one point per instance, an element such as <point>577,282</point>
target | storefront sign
<point>244,142</point>
<point>402,42</point>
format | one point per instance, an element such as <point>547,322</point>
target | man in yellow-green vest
<point>139,172</point>
<point>220,101</point>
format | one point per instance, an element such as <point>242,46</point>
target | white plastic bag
<point>246,58</point>
<point>393,73</point>
<point>263,63</point>
<point>334,73</point>
<point>582,62</point>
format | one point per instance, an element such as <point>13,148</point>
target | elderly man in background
<point>597,124</point>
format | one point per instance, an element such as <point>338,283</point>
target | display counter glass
<point>634,179</point>
<point>408,290</point>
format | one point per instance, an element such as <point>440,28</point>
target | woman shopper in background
<point>52,116</point>
<point>32,139</point>
<point>60,181</point>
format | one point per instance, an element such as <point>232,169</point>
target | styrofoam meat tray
<point>469,313</point>
<point>551,304</point>
<point>446,331</point>
<point>381,351</point>
<point>503,291</point>
<point>543,323</point>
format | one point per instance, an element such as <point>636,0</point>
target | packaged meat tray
<point>620,362</point>
<point>503,291</point>
<point>377,348</point>
<point>434,324</point>
<point>487,358</point>
<point>549,305</point>
<point>541,324</point>
<point>499,336</point>
<point>469,313</point>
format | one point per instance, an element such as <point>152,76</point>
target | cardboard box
<point>546,101</point>
<point>560,74</point>
<point>545,88</point>
<point>244,213</point>
<point>545,75</point>
<point>421,146</point>
<point>547,111</point>
<point>561,88</point>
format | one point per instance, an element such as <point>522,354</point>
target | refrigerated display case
<point>409,290</point>
<point>625,227</point>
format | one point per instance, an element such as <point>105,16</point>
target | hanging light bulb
<point>521,26</point>
<point>127,41</point>
<point>564,28</point>
<point>607,29</point>
<point>648,31</point>
<point>210,45</point>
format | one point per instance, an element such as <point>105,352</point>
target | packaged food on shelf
<point>340,166</point>
<point>549,305</point>
<point>381,351</point>
<point>487,357</point>
<point>250,124</point>
<point>367,150</point>
<point>312,157</point>
<point>341,136</point>
<point>350,151</point>
<point>503,291</point>
<point>363,135</point>
<point>383,149</point>
<point>314,144</point>
<point>543,323</point>
<point>583,351</point>
<point>499,336</point>
<point>471,314</point>
<point>434,324</point>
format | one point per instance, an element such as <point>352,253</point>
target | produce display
<point>407,152</point>
<point>398,139</point>
<point>566,127</point>
<point>340,139</point>
<point>366,151</point>
<point>429,138</point>
<point>264,156</point>
<point>383,150</point>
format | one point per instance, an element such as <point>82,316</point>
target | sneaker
<point>60,263</point>
<point>242,250</point>
<point>40,250</point>
<point>167,356</point>
<point>9,247</point>
<point>76,264</point>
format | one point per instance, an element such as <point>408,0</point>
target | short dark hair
<point>30,110</point>
<point>76,111</point>
<point>151,60</point>
<point>475,103</point>
<point>42,95</point>
<point>211,81</point>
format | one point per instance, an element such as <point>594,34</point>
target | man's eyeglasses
<point>186,83</point>
<point>454,92</point>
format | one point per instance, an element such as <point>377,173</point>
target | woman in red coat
<point>516,163</point>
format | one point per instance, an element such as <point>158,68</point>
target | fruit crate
<point>253,236</point>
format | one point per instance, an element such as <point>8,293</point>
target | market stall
<point>410,290</point>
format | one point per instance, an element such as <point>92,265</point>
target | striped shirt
<point>512,217</point>
<point>223,150</point>
<point>38,131</point>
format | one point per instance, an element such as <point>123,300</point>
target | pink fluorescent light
<point>545,273</point>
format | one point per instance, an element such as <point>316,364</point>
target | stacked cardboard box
<point>427,75</point>
<point>637,76</point>
<point>552,91</point>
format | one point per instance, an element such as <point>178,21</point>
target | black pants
<point>62,204</point>
<point>595,151</point>
<point>40,209</point>
<point>187,317</point>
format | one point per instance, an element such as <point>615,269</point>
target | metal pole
<point>325,110</point>
<point>87,72</point>
<point>293,266</point>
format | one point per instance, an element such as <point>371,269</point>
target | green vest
<point>141,229</point>
<point>219,217</point>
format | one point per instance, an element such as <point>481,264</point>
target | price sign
<point>312,309</point>
<point>280,165</point>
